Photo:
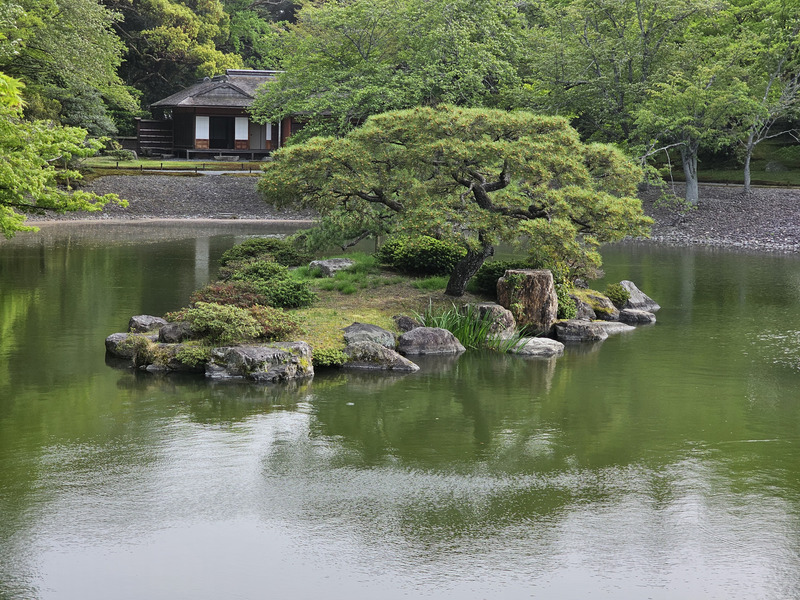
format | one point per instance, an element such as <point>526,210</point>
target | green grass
<point>469,328</point>
<point>437,282</point>
<point>363,275</point>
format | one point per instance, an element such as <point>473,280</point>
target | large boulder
<point>530,295</point>
<point>279,361</point>
<point>371,355</point>
<point>175,333</point>
<point>330,266</point>
<point>583,310</point>
<point>145,323</point>
<point>576,330</point>
<point>539,346</point>
<point>603,308</point>
<point>364,332</point>
<point>169,358</point>
<point>633,316</point>
<point>502,319</point>
<point>429,340</point>
<point>119,345</point>
<point>638,299</point>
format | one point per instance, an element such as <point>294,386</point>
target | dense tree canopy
<point>474,176</point>
<point>29,151</point>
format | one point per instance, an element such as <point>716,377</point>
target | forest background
<point>664,81</point>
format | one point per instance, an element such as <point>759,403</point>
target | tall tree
<point>346,60</point>
<point>473,176</point>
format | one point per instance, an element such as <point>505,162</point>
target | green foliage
<point>485,281</point>
<point>472,329</point>
<point>420,255</point>
<point>617,294</point>
<point>282,251</point>
<point>567,308</point>
<point>218,323</point>
<point>328,357</point>
<point>275,323</point>
<point>286,293</point>
<point>193,356</point>
<point>237,293</point>
<point>253,270</point>
<point>471,177</point>
<point>29,152</point>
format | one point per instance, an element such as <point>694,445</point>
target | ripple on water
<point>780,347</point>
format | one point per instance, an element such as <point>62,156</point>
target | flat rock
<point>145,323</point>
<point>276,362</point>
<point>429,340</point>
<point>364,332</point>
<point>576,330</point>
<point>638,300</point>
<point>374,356</point>
<point>538,346</point>
<point>330,266</point>
<point>612,327</point>
<point>634,316</point>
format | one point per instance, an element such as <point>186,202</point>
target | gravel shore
<point>768,220</point>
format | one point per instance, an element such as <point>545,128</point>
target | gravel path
<point>769,220</point>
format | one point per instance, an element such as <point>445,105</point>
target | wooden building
<point>210,117</point>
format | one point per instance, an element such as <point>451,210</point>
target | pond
<point>664,463</point>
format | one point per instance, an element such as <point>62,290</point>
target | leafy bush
<point>485,280</point>
<point>194,356</point>
<point>236,293</point>
<point>275,323</point>
<point>567,309</point>
<point>422,255</point>
<point>219,323</point>
<point>253,270</point>
<point>282,251</point>
<point>617,294</point>
<point>328,357</point>
<point>286,293</point>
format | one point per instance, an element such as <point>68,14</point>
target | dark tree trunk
<point>465,269</point>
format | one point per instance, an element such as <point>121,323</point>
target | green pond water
<point>663,463</point>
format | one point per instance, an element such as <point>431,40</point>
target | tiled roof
<point>235,89</point>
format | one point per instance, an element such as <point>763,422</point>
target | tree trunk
<point>747,156</point>
<point>689,159</point>
<point>465,269</point>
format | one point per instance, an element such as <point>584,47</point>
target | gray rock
<point>544,347</point>
<point>638,299</point>
<point>364,332</point>
<point>118,345</point>
<point>371,355</point>
<point>584,311</point>
<point>175,333</point>
<point>145,323</point>
<point>404,323</point>
<point>531,297</point>
<point>575,330</point>
<point>330,266</point>
<point>615,327</point>
<point>502,319</point>
<point>429,340</point>
<point>603,308</point>
<point>634,316</point>
<point>276,362</point>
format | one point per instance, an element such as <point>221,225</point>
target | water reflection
<point>661,464</point>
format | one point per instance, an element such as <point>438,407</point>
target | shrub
<point>286,293</point>
<point>468,326</point>
<point>485,280</point>
<point>275,323</point>
<point>219,323</point>
<point>617,294</point>
<point>236,293</point>
<point>328,357</point>
<point>193,356</point>
<point>567,309</point>
<point>282,251</point>
<point>253,270</point>
<point>422,255</point>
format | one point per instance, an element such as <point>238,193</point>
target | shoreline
<point>766,221</point>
